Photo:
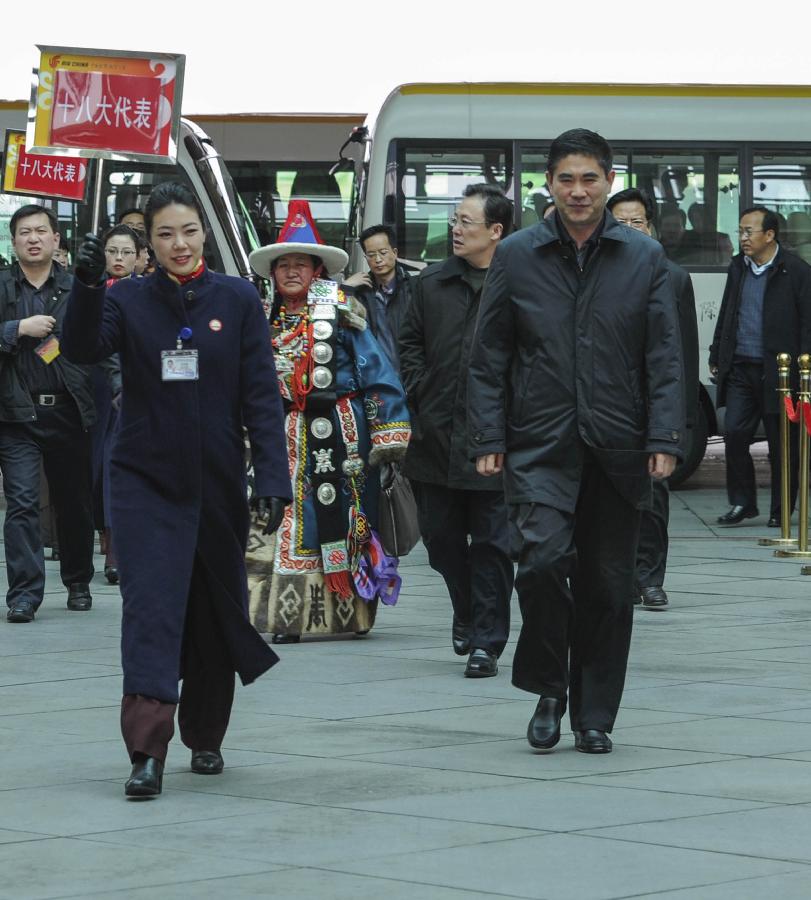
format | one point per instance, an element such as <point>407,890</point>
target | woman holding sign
<point>195,362</point>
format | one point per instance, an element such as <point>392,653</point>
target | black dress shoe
<point>146,778</point>
<point>207,762</point>
<point>543,731</point>
<point>111,574</point>
<point>21,611</point>
<point>654,597</point>
<point>592,741</point>
<point>481,664</point>
<point>285,639</point>
<point>79,599</point>
<point>738,514</point>
<point>460,637</point>
<point>774,522</point>
<point>55,554</point>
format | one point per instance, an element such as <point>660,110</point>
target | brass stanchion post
<point>784,390</point>
<point>804,399</point>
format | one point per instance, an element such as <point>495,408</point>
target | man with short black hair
<point>46,409</point>
<point>766,310</point>
<point>634,207</point>
<point>462,515</point>
<point>575,393</point>
<point>385,290</point>
<point>133,217</point>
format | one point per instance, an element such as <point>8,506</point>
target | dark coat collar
<point>546,231</point>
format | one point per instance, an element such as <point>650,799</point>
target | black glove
<point>271,508</point>
<point>90,261</point>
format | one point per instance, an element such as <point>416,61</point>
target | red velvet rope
<point>792,411</point>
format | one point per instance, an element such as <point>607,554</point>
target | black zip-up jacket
<point>435,342</point>
<point>786,322</point>
<point>16,404</point>
<point>566,359</point>
<point>396,310</point>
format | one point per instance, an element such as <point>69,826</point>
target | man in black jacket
<point>385,291</point>
<point>462,515</point>
<point>634,208</point>
<point>46,409</point>
<point>766,310</point>
<point>575,391</point>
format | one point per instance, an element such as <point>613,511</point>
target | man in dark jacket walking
<point>46,409</point>
<point>634,208</point>
<point>385,291</point>
<point>462,515</point>
<point>766,310</point>
<point>575,391</point>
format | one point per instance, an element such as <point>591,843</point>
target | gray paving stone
<point>784,887</point>
<point>605,868</point>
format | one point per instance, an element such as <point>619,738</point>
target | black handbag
<point>398,528</point>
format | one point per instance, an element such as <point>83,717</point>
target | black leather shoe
<point>146,778</point>
<point>737,514</point>
<point>654,597</point>
<point>592,741</point>
<point>285,639</point>
<point>111,574</point>
<point>21,611</point>
<point>79,599</point>
<point>207,762</point>
<point>481,664</point>
<point>460,637</point>
<point>543,731</point>
<point>55,554</point>
<point>774,522</point>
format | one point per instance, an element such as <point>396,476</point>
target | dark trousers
<point>575,583</point>
<point>651,552</point>
<point>206,696</point>
<point>58,441</point>
<point>466,534</point>
<point>745,407</point>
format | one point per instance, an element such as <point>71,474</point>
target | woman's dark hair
<point>125,231</point>
<point>166,194</point>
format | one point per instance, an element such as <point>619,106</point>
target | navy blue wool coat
<point>177,465</point>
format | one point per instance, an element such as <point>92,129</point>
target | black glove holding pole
<point>271,508</point>
<point>90,261</point>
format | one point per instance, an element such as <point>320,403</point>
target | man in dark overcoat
<point>462,515</point>
<point>178,495</point>
<point>634,208</point>
<point>575,391</point>
<point>766,310</point>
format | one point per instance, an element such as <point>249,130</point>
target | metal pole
<point>784,390</point>
<point>804,363</point>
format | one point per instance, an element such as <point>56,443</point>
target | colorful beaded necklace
<point>293,339</point>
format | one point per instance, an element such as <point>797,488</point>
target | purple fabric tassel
<point>377,576</point>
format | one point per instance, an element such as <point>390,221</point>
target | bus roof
<point>605,90</point>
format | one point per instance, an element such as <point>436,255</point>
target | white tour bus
<point>704,152</point>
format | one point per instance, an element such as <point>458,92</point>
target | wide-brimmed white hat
<point>298,235</point>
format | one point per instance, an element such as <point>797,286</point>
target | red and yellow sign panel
<point>33,174</point>
<point>106,104</point>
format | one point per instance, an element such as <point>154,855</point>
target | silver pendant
<point>326,494</point>
<point>322,377</point>
<point>322,353</point>
<point>321,428</point>
<point>322,330</point>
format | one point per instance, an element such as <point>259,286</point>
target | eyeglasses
<point>122,253</point>
<point>634,223</point>
<point>377,254</point>
<point>464,223</point>
<point>748,232</point>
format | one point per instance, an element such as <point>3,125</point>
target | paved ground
<point>371,768</point>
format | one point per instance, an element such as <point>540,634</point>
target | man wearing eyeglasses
<point>385,290</point>
<point>633,207</point>
<point>462,515</point>
<point>46,409</point>
<point>766,310</point>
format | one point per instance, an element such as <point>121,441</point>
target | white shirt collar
<point>759,270</point>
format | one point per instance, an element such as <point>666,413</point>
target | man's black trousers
<point>575,586</point>
<point>745,407</point>
<point>466,534</point>
<point>58,440</point>
<point>651,553</point>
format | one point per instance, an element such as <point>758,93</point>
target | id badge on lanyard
<point>179,365</point>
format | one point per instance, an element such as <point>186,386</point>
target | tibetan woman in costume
<point>324,570</point>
